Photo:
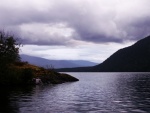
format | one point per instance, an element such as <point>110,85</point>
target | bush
<point>26,76</point>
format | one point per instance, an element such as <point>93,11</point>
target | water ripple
<point>94,93</point>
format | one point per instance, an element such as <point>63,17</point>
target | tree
<point>9,49</point>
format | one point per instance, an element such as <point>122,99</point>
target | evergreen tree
<point>9,50</point>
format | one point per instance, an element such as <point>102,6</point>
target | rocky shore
<point>22,73</point>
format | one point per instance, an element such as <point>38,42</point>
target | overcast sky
<point>75,29</point>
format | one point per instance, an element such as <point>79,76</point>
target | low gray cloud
<point>67,22</point>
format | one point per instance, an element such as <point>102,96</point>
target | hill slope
<point>56,63</point>
<point>135,58</point>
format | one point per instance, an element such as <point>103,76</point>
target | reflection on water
<point>94,93</point>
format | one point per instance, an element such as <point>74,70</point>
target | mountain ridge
<point>55,63</point>
<point>135,58</point>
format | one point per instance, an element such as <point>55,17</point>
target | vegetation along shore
<point>15,72</point>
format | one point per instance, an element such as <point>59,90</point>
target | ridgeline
<point>135,58</point>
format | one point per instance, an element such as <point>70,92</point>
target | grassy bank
<point>22,73</point>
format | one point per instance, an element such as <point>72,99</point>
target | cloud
<point>91,52</point>
<point>45,34</point>
<point>67,22</point>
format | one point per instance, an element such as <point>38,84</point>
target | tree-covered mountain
<point>135,58</point>
<point>56,63</point>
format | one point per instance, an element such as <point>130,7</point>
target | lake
<point>94,93</point>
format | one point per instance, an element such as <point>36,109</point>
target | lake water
<point>94,93</point>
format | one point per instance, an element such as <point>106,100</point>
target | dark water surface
<point>94,93</point>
